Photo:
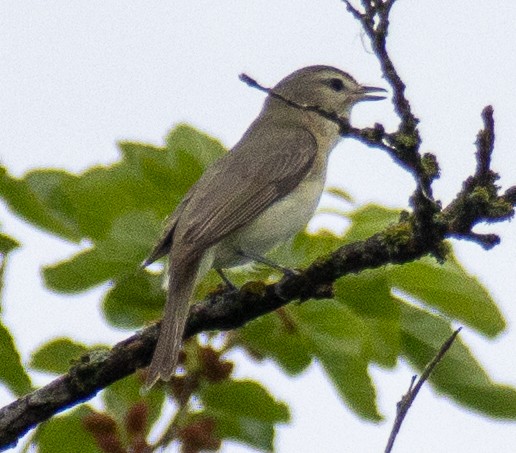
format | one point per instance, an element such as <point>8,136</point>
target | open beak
<point>365,96</point>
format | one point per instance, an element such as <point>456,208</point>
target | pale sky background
<point>75,77</point>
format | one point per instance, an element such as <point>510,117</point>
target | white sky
<point>75,77</point>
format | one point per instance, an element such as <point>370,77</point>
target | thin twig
<point>343,123</point>
<point>374,20</point>
<point>355,12</point>
<point>480,190</point>
<point>406,401</point>
<point>379,14</point>
<point>375,137</point>
<point>485,143</point>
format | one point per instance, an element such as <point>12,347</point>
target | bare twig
<point>406,401</point>
<point>480,190</point>
<point>355,12</point>
<point>485,144</point>
<point>343,123</point>
<point>375,22</point>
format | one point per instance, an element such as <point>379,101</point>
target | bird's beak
<point>365,96</point>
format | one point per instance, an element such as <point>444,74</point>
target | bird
<point>258,195</point>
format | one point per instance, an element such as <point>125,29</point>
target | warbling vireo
<point>259,194</point>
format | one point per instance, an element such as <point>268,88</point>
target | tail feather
<point>180,288</point>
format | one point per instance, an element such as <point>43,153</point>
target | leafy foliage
<point>376,317</point>
<point>56,435</point>
<point>57,355</point>
<point>12,372</point>
<point>244,411</point>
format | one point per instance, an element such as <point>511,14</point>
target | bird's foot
<point>288,272</point>
<point>230,286</point>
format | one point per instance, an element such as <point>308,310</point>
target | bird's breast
<point>276,224</point>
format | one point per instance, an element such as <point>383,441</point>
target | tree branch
<point>375,22</point>
<point>406,401</point>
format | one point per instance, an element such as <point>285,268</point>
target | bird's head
<point>327,88</point>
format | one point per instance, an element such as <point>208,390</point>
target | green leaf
<point>57,355</point>
<point>447,287</point>
<point>450,289</point>
<point>305,248</point>
<point>494,400</point>
<point>331,327</point>
<point>39,199</point>
<point>122,395</point>
<point>12,373</point>
<point>244,411</point>
<point>65,434</point>
<point>127,244</point>
<point>135,301</point>
<point>458,375</point>
<point>205,149</point>
<point>353,383</point>
<point>277,336</point>
<point>368,220</point>
<point>368,295</point>
<point>7,244</point>
<point>340,341</point>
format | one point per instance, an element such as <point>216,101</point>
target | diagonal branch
<point>375,22</point>
<point>406,401</point>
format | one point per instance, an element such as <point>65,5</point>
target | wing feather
<point>264,167</point>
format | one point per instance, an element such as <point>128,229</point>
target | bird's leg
<point>260,259</point>
<point>229,284</point>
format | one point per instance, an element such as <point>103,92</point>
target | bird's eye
<point>336,84</point>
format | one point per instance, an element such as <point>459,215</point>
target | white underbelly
<point>275,225</point>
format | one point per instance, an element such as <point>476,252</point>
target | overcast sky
<point>75,77</point>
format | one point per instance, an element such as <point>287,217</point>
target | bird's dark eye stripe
<point>336,84</point>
